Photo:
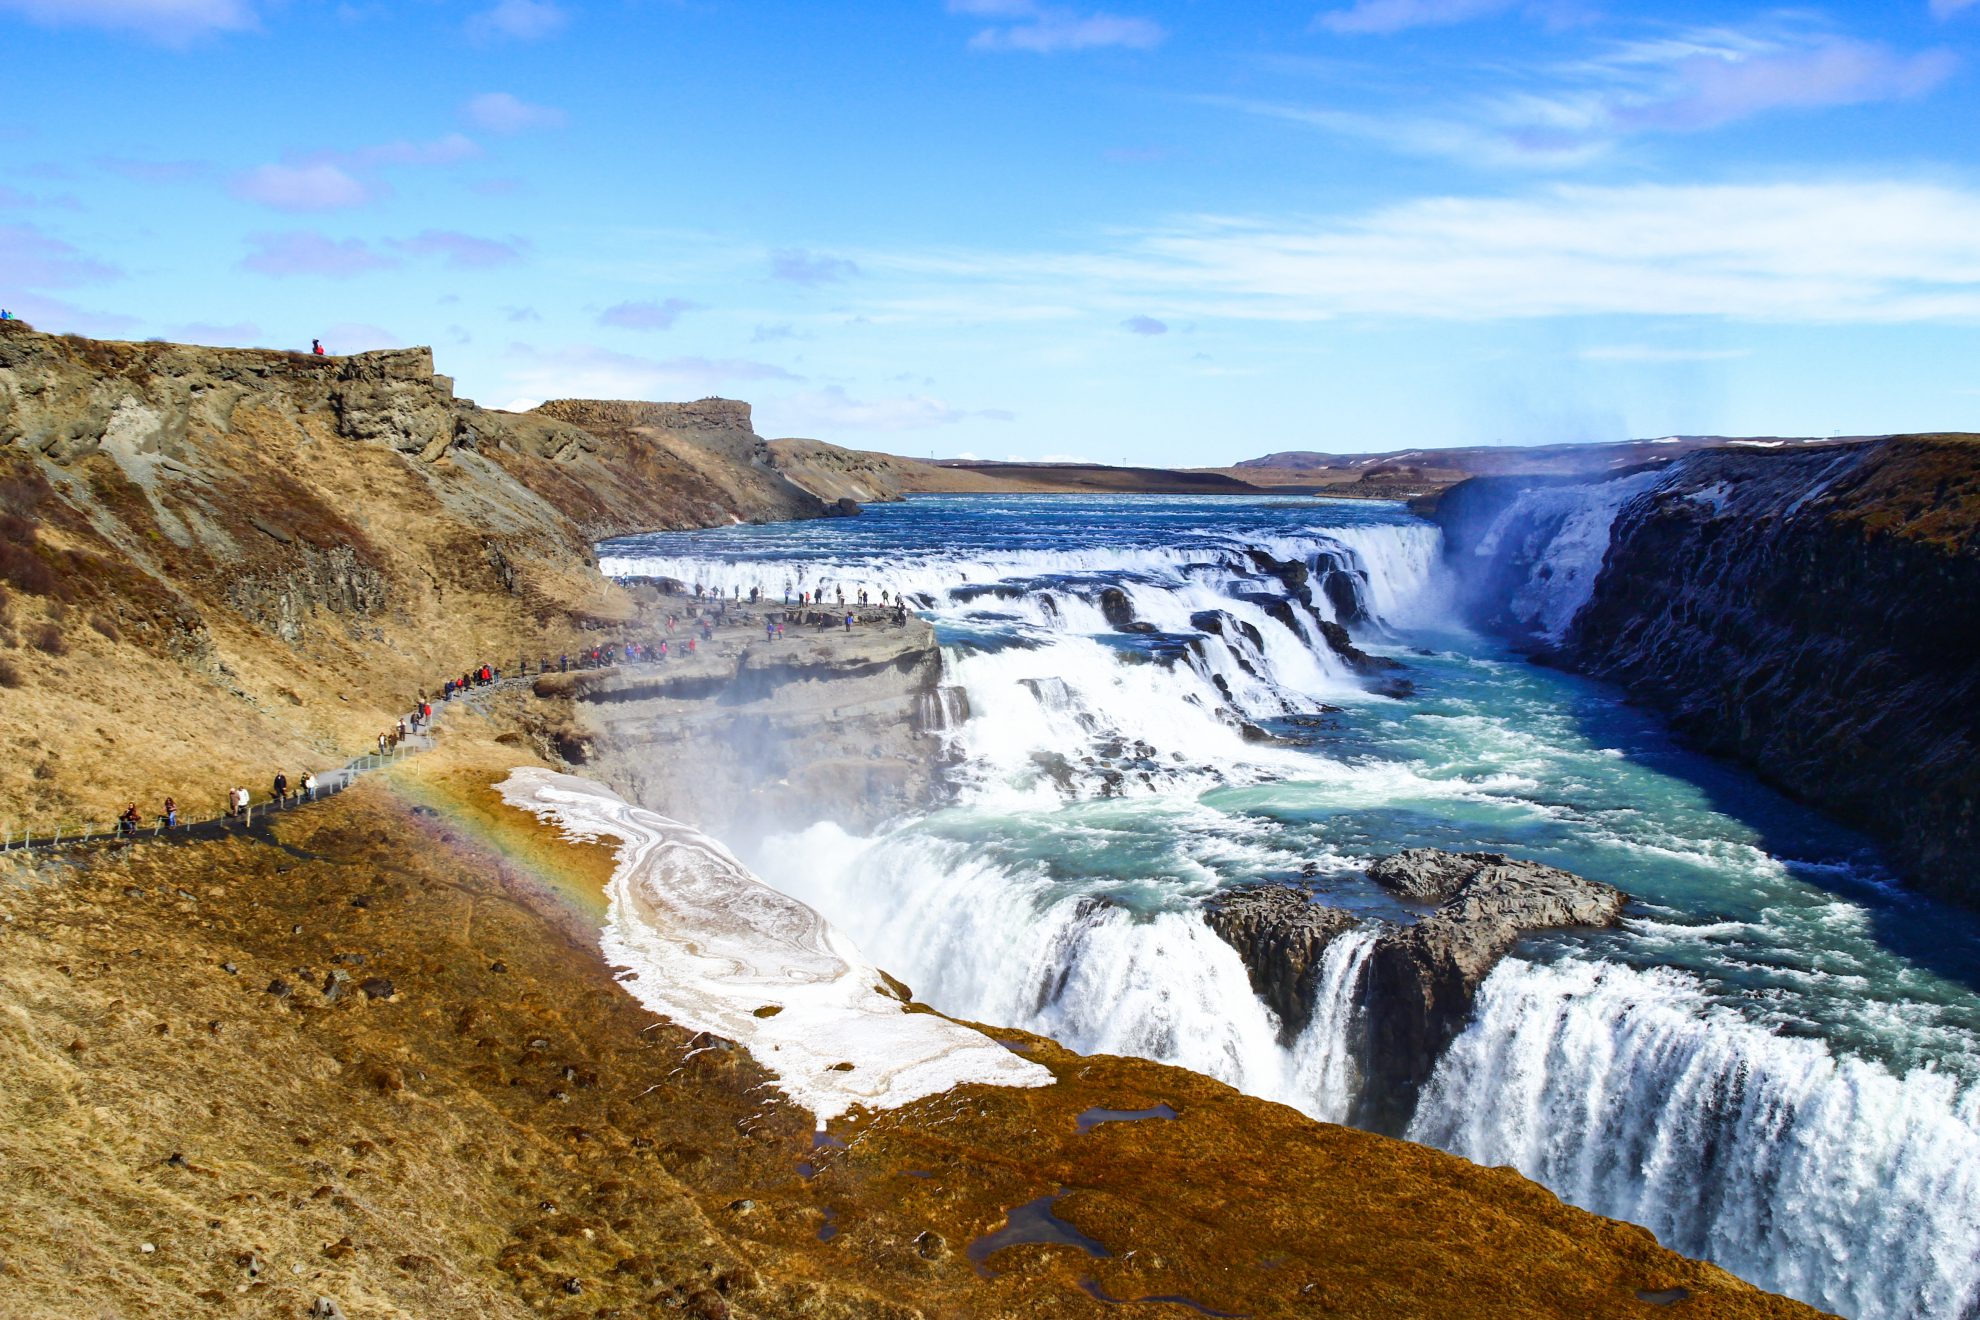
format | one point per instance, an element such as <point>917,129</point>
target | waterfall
<point>1544,550</point>
<point>1628,1094</point>
<point>1108,784</point>
<point>1326,1078</point>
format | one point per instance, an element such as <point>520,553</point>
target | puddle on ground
<point>820,1140</point>
<point>830,1228</point>
<point>1093,1118</point>
<point>1668,1297</point>
<point>1032,1222</point>
<point>1014,1046</point>
<point>1092,1288</point>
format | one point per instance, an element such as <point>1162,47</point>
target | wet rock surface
<point>1420,980</point>
<point>1282,935</point>
<point>1423,979</point>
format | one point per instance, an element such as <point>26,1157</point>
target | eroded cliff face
<point>1809,614</point>
<point>215,564</point>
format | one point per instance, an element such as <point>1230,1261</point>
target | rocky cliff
<point>1807,613</point>
<point>219,563</point>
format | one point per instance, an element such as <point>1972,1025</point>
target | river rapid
<point>1774,1064</point>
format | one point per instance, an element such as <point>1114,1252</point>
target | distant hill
<point>1408,473</point>
<point>833,473</point>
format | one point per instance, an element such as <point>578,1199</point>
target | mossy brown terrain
<point>370,1051</point>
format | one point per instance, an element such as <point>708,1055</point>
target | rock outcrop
<point>1281,935</point>
<point>1423,979</point>
<point>215,562</point>
<point>1420,980</point>
<point>1808,613</point>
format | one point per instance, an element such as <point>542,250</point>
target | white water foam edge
<point>712,945</point>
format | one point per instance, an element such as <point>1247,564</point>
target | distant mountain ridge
<point>1493,460</point>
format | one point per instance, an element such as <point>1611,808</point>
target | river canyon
<point>1150,703</point>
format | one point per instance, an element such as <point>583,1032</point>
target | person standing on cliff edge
<point>316,348</point>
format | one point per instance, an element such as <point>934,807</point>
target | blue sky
<point>1171,232</point>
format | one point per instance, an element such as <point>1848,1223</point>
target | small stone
<point>360,900</point>
<point>176,1160</point>
<point>230,969</point>
<point>295,930</point>
<point>334,983</point>
<point>377,987</point>
<point>931,1246</point>
<point>573,1287</point>
<point>498,967</point>
<point>326,1308</point>
<point>147,1248</point>
<point>278,987</point>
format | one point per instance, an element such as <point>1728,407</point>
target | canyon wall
<point>219,563</point>
<point>1808,613</point>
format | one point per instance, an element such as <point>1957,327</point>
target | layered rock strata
<point>1806,613</point>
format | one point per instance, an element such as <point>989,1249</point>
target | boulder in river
<point>1420,980</point>
<point>1281,934</point>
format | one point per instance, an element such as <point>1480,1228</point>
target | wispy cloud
<point>338,180</point>
<point>169,22</point>
<point>1145,325</point>
<point>1947,8</point>
<point>461,251</point>
<point>650,315</point>
<point>506,113</point>
<point>1839,252</point>
<point>34,260</point>
<point>1674,81</point>
<point>1043,29</point>
<point>518,20</point>
<point>306,252</point>
<point>796,266</point>
<point>318,187</point>
<point>1385,16</point>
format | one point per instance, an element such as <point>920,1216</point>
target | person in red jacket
<point>316,348</point>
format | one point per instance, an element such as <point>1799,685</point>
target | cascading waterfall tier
<point>1748,1067</point>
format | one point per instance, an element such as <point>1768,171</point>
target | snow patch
<point>712,945</point>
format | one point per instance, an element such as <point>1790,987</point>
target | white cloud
<point>502,112</point>
<point>461,251</point>
<point>1385,16</point>
<point>1692,80</point>
<point>34,260</point>
<point>518,20</point>
<point>319,187</point>
<point>172,22</point>
<point>1947,8</point>
<point>1847,251</point>
<point>304,252</point>
<point>649,315</point>
<point>1042,29</point>
<point>796,266</point>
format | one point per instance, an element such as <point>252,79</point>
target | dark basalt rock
<point>1807,612</point>
<point>1295,576</point>
<point>1421,980</point>
<point>1281,934</point>
<point>1117,608</point>
<point>1343,645</point>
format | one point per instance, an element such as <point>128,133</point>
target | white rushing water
<point>1772,1066</point>
<point>1629,1094</point>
